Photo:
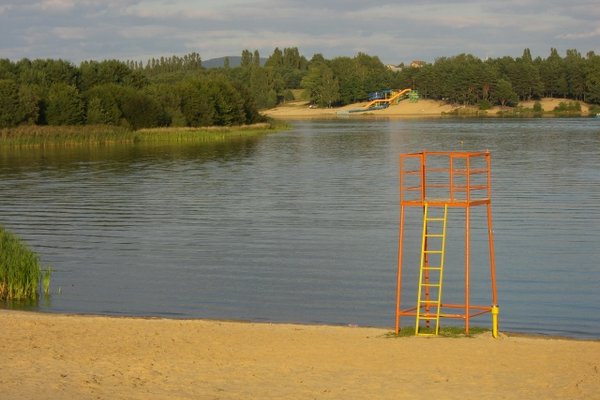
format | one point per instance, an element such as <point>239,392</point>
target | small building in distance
<point>417,63</point>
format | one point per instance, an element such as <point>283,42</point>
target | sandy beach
<point>404,109</point>
<point>52,356</point>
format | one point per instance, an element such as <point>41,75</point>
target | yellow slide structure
<point>393,98</point>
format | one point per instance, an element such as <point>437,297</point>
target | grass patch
<point>41,136</point>
<point>466,112</point>
<point>201,135</point>
<point>20,271</point>
<point>568,109</point>
<point>521,112</point>
<point>450,331</point>
<point>34,135</point>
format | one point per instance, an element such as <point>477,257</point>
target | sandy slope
<point>300,109</point>
<point>422,108</point>
<point>47,356</point>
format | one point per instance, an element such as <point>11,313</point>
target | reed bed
<point>41,136</point>
<point>20,271</point>
<point>34,135</point>
<point>200,135</point>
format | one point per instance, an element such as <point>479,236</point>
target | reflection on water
<point>302,225</point>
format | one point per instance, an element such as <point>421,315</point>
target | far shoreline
<point>423,108</point>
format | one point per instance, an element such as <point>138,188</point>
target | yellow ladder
<point>431,271</point>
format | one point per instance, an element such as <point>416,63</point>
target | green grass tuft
<point>19,269</point>
<point>450,331</point>
<point>46,274</point>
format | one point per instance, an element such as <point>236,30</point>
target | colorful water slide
<point>379,103</point>
<point>383,103</point>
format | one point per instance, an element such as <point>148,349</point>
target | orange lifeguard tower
<point>434,182</point>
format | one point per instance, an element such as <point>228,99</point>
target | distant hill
<point>234,61</point>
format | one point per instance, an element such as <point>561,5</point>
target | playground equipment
<point>435,182</point>
<point>384,98</point>
<point>391,98</point>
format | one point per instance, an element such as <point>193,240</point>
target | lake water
<point>302,225</point>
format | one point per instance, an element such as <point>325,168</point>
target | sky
<point>395,31</point>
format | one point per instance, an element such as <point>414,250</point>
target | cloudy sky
<point>396,31</point>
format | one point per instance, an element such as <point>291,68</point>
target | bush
<point>19,269</point>
<point>485,105</point>
<point>568,108</point>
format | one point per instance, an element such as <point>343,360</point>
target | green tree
<point>65,105</point>
<point>8,70</point>
<point>250,111</point>
<point>246,61</point>
<point>503,93</point>
<point>140,110</point>
<point>29,104</point>
<point>553,75</point>
<point>574,66</point>
<point>275,60</point>
<point>524,78</point>
<point>262,87</point>
<point>228,102</point>
<point>292,59</point>
<point>350,83</point>
<point>9,103</point>
<point>288,67</point>
<point>47,72</point>
<point>321,85</point>
<point>169,96</point>
<point>103,104</point>
<point>592,79</point>
<point>196,105</point>
<point>110,71</point>
<point>256,58</point>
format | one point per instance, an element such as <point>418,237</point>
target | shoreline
<point>423,108</point>
<point>389,329</point>
<point>56,356</point>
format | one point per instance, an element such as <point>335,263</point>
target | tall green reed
<point>20,272</point>
<point>33,135</point>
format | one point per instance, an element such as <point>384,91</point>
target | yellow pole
<point>495,312</point>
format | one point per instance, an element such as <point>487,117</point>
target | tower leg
<point>495,312</point>
<point>399,276</point>
<point>492,258</point>
<point>467,266</point>
<point>495,308</point>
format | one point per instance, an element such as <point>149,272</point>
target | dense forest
<point>178,91</point>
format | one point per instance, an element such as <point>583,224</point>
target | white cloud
<point>147,32</point>
<point>56,5</point>
<point>581,35</point>
<point>393,30</point>
<point>69,33</point>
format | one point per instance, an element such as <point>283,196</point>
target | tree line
<point>174,91</point>
<point>462,79</point>
<point>178,91</point>
<point>506,81</point>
